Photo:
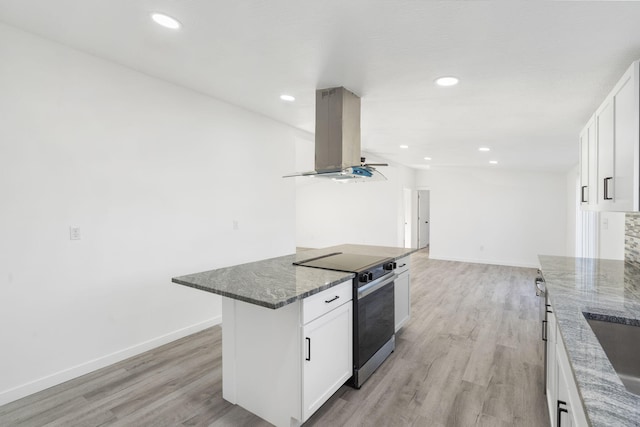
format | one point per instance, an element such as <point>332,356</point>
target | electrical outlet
<point>74,233</point>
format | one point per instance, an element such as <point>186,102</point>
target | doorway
<point>408,220</point>
<point>423,218</point>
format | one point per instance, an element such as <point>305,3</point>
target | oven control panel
<point>372,273</point>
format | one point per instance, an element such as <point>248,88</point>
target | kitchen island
<point>287,330</point>
<point>606,290</point>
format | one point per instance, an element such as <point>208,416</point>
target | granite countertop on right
<point>605,287</point>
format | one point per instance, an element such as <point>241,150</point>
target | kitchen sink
<point>621,343</point>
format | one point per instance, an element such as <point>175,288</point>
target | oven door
<point>375,318</point>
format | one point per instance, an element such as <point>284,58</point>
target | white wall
<point>154,175</point>
<point>573,209</point>
<point>330,213</point>
<point>495,216</point>
<point>611,235</point>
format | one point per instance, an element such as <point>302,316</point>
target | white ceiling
<point>531,71</point>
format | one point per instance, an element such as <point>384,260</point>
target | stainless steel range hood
<point>337,138</point>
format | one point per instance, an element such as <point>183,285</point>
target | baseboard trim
<point>56,378</point>
<point>484,261</point>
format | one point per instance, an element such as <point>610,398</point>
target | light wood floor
<point>471,355</point>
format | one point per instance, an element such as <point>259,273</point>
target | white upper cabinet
<point>604,135</point>
<point>626,137</point>
<point>588,166</point>
<point>617,137</point>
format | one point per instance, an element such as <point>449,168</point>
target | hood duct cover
<point>337,138</point>
<point>337,130</point>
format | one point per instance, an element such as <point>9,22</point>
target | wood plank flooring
<point>471,355</point>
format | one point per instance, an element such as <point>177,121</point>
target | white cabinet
<point>328,361</point>
<point>563,399</point>
<point>569,409</point>
<point>552,379</point>
<point>617,135</point>
<point>283,364</point>
<point>588,166</point>
<point>402,294</point>
<point>604,136</point>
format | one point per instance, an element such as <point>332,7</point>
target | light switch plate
<point>74,233</point>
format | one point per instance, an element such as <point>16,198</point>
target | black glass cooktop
<point>352,263</point>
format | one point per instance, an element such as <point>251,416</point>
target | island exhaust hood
<point>337,139</point>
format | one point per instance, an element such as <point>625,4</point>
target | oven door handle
<point>376,284</point>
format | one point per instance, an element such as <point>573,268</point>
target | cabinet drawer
<point>325,301</point>
<point>403,265</point>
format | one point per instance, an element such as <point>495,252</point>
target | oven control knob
<point>365,277</point>
<point>390,266</point>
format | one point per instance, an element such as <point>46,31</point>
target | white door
<point>423,219</point>
<point>407,218</point>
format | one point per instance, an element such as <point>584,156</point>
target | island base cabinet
<point>261,366</point>
<point>328,361</point>
<point>279,368</point>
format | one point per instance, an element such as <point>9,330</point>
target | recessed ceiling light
<point>404,146</point>
<point>427,158</point>
<point>484,149</point>
<point>447,81</point>
<point>287,98</point>
<point>493,162</point>
<point>166,21</point>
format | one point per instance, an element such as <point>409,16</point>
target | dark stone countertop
<point>609,290</point>
<point>276,282</point>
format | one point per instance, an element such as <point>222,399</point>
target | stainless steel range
<point>373,311</point>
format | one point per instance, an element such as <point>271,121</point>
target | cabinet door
<point>618,139</point>
<point>552,367</point>
<point>402,299</point>
<point>569,404</point>
<point>588,167</point>
<point>625,131</point>
<point>563,415</point>
<point>604,136</point>
<point>328,361</point>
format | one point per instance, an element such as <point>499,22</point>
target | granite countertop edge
<point>263,303</point>
<point>409,252</point>
<point>605,400</point>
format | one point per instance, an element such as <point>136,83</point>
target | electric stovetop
<point>352,263</point>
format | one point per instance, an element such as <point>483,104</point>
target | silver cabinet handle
<point>606,188</point>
